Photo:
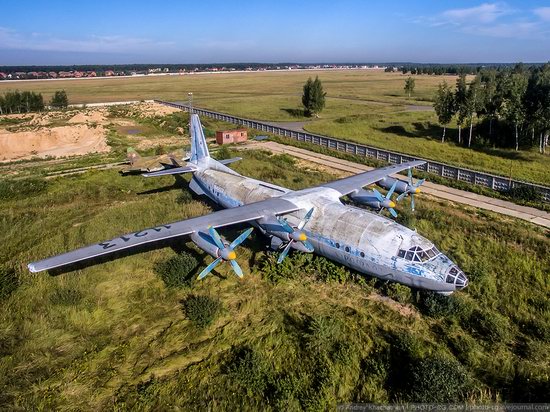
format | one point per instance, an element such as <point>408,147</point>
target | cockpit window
<point>417,254</point>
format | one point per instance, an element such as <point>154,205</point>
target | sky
<point>208,31</point>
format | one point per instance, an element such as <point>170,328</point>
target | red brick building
<point>231,136</point>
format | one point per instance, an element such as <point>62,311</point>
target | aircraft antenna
<point>190,103</point>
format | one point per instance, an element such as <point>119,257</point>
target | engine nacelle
<point>204,241</point>
<point>387,182</point>
<point>365,197</point>
<point>271,226</point>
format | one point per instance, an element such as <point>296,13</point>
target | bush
<point>321,335</point>
<point>9,282</point>
<point>437,379</point>
<point>175,271</point>
<point>436,305</point>
<point>201,310</point>
<point>526,193</point>
<point>249,370</point>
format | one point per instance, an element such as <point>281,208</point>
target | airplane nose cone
<point>461,281</point>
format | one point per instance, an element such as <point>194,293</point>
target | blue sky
<point>206,31</point>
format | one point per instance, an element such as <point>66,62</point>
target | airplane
<point>312,220</point>
<point>139,164</point>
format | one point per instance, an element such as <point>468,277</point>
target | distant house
<point>231,136</point>
<point>109,73</point>
<point>3,75</point>
<point>53,75</point>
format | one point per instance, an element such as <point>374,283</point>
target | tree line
<point>509,107</point>
<point>28,101</point>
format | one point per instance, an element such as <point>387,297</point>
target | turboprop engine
<point>375,200</point>
<point>215,246</point>
<point>286,236</point>
<point>402,187</point>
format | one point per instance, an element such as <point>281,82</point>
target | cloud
<point>543,13</point>
<point>11,39</point>
<point>484,13</point>
<point>492,20</point>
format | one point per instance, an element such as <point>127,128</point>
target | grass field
<point>364,106</point>
<point>307,334</point>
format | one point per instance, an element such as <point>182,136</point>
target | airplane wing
<point>172,171</point>
<point>350,184</point>
<point>137,240</point>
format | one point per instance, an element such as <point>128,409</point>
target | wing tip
<point>32,268</point>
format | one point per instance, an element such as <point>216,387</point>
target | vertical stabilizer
<point>199,149</point>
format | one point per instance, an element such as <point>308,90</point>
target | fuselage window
<point>409,255</point>
<point>347,249</point>
<point>401,253</point>
<point>362,254</point>
<point>337,245</point>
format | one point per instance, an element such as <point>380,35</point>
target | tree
<point>460,103</point>
<point>490,104</point>
<point>513,92</point>
<point>444,106</point>
<point>313,98</point>
<point>59,100</point>
<point>537,104</point>
<point>409,86</point>
<point>472,104</point>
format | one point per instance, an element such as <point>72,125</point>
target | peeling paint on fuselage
<point>352,236</point>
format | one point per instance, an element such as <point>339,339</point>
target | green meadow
<point>368,107</point>
<point>140,333</point>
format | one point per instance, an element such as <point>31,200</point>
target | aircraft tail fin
<point>131,155</point>
<point>199,149</point>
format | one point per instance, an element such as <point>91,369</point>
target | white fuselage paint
<point>355,237</point>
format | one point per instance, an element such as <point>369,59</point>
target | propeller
<point>226,252</point>
<point>386,202</point>
<point>412,189</point>
<point>295,235</point>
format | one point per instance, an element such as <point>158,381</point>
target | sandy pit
<point>52,142</point>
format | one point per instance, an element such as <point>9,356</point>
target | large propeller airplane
<point>309,220</point>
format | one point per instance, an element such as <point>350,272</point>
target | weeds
<point>202,310</point>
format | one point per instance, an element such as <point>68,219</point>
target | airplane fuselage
<point>355,237</point>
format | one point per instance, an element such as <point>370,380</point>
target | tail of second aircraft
<point>200,156</point>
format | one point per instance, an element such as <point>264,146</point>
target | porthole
<point>362,254</point>
<point>347,249</point>
<point>337,245</point>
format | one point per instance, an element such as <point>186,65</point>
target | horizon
<point>214,32</point>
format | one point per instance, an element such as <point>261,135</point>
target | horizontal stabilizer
<point>228,161</point>
<point>173,171</point>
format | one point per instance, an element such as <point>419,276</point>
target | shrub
<point>436,305</point>
<point>321,334</point>
<point>526,193</point>
<point>175,271</point>
<point>248,370</point>
<point>489,326</point>
<point>9,282</point>
<point>437,378</point>
<point>201,310</point>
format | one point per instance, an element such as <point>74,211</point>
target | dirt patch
<point>143,144</point>
<point>156,109</point>
<point>405,310</point>
<point>52,142</point>
<point>92,116</point>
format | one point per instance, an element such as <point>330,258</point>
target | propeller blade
<point>412,202</point>
<point>401,196</point>
<point>216,237</point>
<point>420,183</point>
<point>378,195</point>
<point>241,238</point>
<point>392,211</point>
<point>236,268</point>
<point>284,252</point>
<point>209,268</point>
<point>306,219</point>
<point>285,225</point>
<point>410,175</point>
<point>392,189</point>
